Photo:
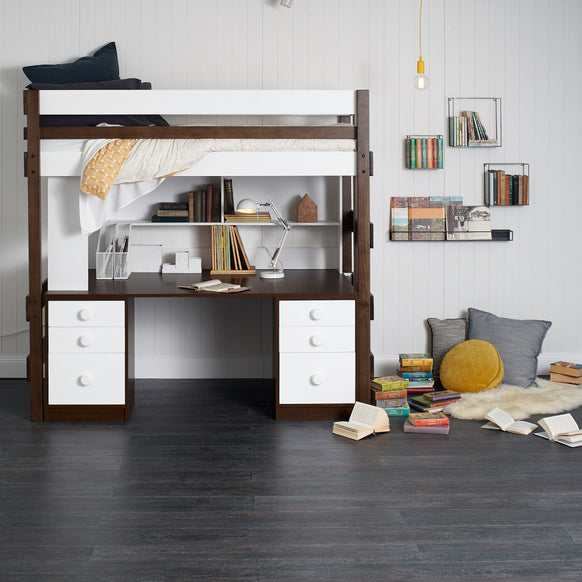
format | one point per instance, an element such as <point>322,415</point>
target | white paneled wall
<point>525,51</point>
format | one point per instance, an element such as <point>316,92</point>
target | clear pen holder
<point>112,250</point>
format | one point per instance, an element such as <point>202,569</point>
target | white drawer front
<point>324,313</point>
<point>86,313</point>
<point>86,340</point>
<point>317,339</point>
<point>92,379</point>
<point>317,378</point>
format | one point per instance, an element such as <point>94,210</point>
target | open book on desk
<point>364,420</point>
<point>214,286</point>
<point>561,428</point>
<point>501,420</point>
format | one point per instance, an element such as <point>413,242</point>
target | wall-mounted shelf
<point>497,235</point>
<point>474,121</point>
<point>506,184</point>
<point>423,152</point>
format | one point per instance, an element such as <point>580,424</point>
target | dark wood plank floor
<point>202,484</point>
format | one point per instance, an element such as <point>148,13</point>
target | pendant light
<point>420,79</point>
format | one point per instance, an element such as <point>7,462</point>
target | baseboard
<point>203,368</point>
<point>12,367</point>
<point>387,365</point>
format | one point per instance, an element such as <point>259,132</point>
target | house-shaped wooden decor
<point>306,210</point>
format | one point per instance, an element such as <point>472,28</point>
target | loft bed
<point>47,166</point>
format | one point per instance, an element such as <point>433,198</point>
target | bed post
<point>34,299</point>
<point>362,245</point>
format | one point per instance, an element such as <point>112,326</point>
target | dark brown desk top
<point>297,284</point>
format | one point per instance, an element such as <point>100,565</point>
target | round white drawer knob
<point>316,340</point>
<point>316,314</point>
<point>85,341</point>
<point>316,379</point>
<point>85,379</point>
<point>84,315</point>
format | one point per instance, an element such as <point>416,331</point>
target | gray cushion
<point>519,342</point>
<point>446,334</point>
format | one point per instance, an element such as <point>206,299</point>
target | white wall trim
<point>12,367</point>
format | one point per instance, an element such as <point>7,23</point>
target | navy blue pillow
<point>90,120</point>
<point>102,66</point>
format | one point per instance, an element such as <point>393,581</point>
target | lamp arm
<point>286,228</point>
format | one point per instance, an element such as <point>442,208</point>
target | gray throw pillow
<point>446,334</point>
<point>518,341</point>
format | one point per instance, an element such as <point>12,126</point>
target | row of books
<point>202,205</point>
<point>467,129</point>
<point>443,218</point>
<point>424,152</point>
<point>502,189</point>
<point>566,372</point>
<point>228,253</point>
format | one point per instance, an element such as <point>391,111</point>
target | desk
<point>90,369</point>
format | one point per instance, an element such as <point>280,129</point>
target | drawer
<point>86,313</point>
<point>317,339</point>
<point>91,379</point>
<point>310,313</point>
<point>83,340</point>
<point>317,378</point>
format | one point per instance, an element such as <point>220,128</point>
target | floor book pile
<point>566,372</point>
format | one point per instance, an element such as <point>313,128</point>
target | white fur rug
<point>547,398</point>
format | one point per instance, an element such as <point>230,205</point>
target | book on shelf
<point>408,369</point>
<point>501,420</point>
<point>468,223</point>
<point>364,420</point>
<point>561,427</point>
<point>566,368</point>
<point>415,376</point>
<point>467,129</point>
<point>228,196</point>
<point>215,286</point>
<point>415,359</point>
<point>442,429</point>
<point>503,189</point>
<point>156,218</point>
<point>248,218</point>
<point>423,152</point>
<point>172,205</point>
<point>389,383</point>
<point>379,394</point>
<point>162,212</point>
<point>428,419</point>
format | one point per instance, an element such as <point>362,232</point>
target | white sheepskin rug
<point>547,398</point>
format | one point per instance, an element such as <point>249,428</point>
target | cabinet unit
<point>86,355</point>
<point>316,352</point>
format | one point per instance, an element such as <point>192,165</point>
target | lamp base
<point>272,274</point>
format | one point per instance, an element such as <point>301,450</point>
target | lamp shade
<point>246,206</point>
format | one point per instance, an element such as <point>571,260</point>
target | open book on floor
<point>562,429</point>
<point>501,420</point>
<point>215,286</point>
<point>364,420</point>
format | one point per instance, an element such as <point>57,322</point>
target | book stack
<point>433,401</point>
<point>417,369</point>
<point>248,218</point>
<point>420,217</point>
<point>228,253</point>
<point>171,212</point>
<point>502,189</point>
<point>467,129</point>
<point>566,372</point>
<point>424,152</point>
<point>390,393</point>
<point>203,205</point>
<point>427,423</point>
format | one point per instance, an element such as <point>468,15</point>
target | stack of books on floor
<point>427,422</point>
<point>417,369</point>
<point>433,401</point>
<point>390,393</point>
<point>566,372</point>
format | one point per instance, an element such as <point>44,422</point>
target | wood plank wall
<point>525,51</point>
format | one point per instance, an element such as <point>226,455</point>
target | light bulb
<point>287,3</point>
<point>420,79</point>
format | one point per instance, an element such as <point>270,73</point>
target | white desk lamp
<point>247,206</point>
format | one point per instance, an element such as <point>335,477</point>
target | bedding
<point>115,172</point>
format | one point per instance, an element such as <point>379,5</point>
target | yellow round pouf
<point>471,366</point>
